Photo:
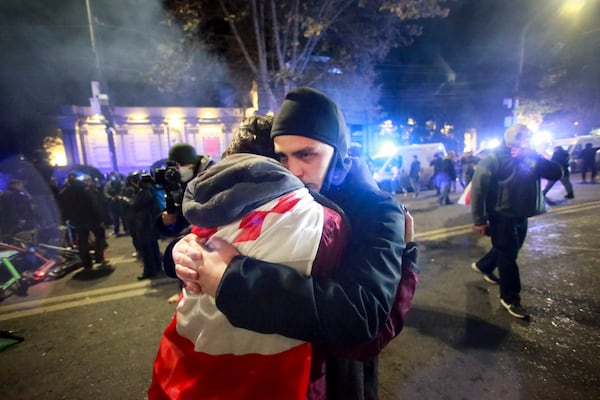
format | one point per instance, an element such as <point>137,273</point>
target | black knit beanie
<point>310,113</point>
<point>183,153</point>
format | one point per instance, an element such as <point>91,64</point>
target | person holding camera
<point>183,165</point>
<point>186,164</point>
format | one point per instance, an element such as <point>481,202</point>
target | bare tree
<point>286,43</point>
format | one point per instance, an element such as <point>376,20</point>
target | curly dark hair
<point>253,136</point>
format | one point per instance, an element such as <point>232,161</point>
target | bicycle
<point>28,260</point>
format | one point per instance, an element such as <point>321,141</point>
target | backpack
<point>518,187</point>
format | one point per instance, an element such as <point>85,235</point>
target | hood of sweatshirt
<point>234,186</point>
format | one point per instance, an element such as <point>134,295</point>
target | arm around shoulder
<point>349,309</point>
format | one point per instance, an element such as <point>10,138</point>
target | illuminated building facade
<point>145,134</point>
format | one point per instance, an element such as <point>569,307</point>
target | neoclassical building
<point>144,135</point>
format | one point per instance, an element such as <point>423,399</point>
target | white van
<point>381,165</point>
<point>574,146</point>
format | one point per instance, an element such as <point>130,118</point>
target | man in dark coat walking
<point>588,162</point>
<point>505,193</point>
<point>561,157</point>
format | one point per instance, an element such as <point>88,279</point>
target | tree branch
<point>251,63</point>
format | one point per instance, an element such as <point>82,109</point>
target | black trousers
<point>151,257</point>
<point>117,218</point>
<point>83,237</point>
<point>508,235</point>
<point>565,182</point>
<point>591,168</point>
<point>352,380</point>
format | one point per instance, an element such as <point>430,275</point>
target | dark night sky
<point>479,42</point>
<point>48,50</point>
<point>48,62</point>
<point>47,59</point>
<point>476,46</point>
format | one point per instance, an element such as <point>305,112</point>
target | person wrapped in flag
<point>255,203</point>
<point>353,308</point>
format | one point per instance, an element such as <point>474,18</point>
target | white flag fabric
<point>203,356</point>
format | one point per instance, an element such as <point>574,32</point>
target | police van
<point>386,167</point>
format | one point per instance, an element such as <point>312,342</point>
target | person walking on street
<point>588,163</point>
<point>350,309</point>
<point>561,156</point>
<point>445,177</point>
<point>506,191</point>
<point>414,175</point>
<point>436,164</point>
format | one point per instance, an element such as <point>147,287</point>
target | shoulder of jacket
<point>370,200</point>
<point>489,160</point>
<point>204,162</point>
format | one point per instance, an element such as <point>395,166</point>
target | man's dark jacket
<point>491,190</point>
<point>353,308</point>
<point>79,205</point>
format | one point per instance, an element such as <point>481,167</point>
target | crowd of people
<point>445,172</point>
<point>77,213</point>
<point>450,169</point>
<point>295,269</point>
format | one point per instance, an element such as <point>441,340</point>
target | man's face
<point>306,158</point>
<point>521,146</point>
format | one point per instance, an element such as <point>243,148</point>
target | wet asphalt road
<point>93,335</point>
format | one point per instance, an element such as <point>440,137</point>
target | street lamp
<point>88,8</point>
<point>102,99</point>
<point>568,7</point>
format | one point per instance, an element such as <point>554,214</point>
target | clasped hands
<point>200,263</point>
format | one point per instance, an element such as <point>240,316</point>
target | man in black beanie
<point>188,164</point>
<point>352,308</point>
<point>310,114</point>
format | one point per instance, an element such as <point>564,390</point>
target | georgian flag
<point>202,356</point>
